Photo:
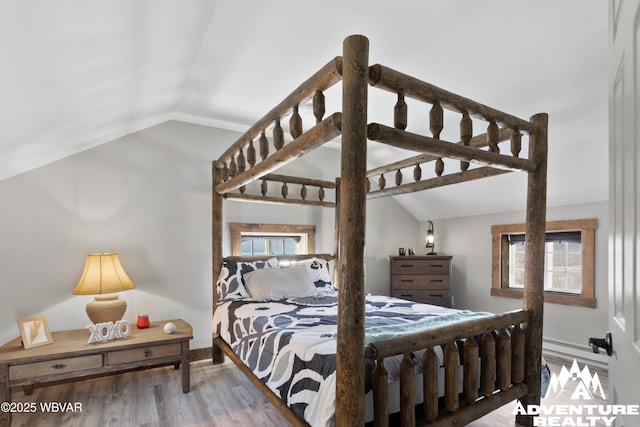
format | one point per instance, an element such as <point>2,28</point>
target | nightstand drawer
<point>442,298</point>
<point>415,281</point>
<point>54,367</point>
<point>421,266</point>
<point>143,353</point>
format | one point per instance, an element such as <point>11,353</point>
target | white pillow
<point>276,284</point>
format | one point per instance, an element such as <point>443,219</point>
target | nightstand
<point>71,357</point>
<point>425,279</point>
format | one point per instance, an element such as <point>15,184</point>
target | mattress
<point>290,345</point>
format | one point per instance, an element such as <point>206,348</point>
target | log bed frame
<point>510,359</point>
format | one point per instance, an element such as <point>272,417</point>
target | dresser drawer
<point>415,281</point>
<point>421,266</point>
<point>54,367</point>
<point>143,353</point>
<point>442,298</point>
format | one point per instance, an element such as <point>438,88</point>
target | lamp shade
<point>103,274</point>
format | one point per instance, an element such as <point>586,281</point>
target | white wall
<point>468,240</point>
<point>147,196</point>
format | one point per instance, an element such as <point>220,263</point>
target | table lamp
<point>103,276</point>
<point>430,238</point>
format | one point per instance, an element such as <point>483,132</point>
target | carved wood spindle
<point>470,376</point>
<point>225,173</point>
<point>400,112</point>
<point>398,177</point>
<point>503,359</point>
<point>493,137</point>
<point>436,120</point>
<point>451,364</point>
<point>264,187</point>
<point>487,364</point>
<point>466,133</point>
<point>295,123</point>
<point>243,189</point>
<point>380,394</point>
<point>516,142</point>
<point>439,166</point>
<point>417,173</point>
<point>284,190</point>
<point>436,124</point>
<point>233,167</point>
<point>303,192</point>
<point>318,106</point>
<point>278,135</point>
<point>321,194</point>
<point>242,164</point>
<point>368,185</point>
<point>517,354</point>
<point>407,405</point>
<point>251,154</point>
<point>264,145</point>
<point>430,384</point>
<point>382,182</point>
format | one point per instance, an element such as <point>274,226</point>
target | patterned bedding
<point>290,344</point>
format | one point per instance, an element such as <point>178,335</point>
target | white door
<point>624,175</point>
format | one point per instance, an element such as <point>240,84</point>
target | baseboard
<point>572,351</point>
<point>199,354</point>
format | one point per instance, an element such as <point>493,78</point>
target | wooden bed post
<point>336,235</point>
<point>352,217</point>
<point>533,300</point>
<point>217,356</point>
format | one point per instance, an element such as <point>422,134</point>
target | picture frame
<point>35,332</point>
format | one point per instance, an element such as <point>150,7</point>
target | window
<point>271,239</point>
<point>569,261</point>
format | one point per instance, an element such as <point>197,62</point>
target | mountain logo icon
<point>579,382</point>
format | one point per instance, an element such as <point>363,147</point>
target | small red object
<point>143,321</point>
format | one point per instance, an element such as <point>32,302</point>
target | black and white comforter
<point>290,345</point>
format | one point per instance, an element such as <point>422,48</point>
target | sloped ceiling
<point>75,74</point>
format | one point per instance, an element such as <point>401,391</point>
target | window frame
<point>238,229</point>
<point>500,262</point>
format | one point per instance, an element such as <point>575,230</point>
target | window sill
<point>550,297</point>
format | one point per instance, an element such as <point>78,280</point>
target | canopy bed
<point>470,364</point>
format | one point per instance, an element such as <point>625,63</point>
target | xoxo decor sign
<point>109,330</point>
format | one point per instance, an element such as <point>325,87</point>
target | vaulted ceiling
<point>75,74</point>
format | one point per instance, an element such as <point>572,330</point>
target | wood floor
<point>220,396</point>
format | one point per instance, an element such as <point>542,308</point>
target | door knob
<point>605,343</point>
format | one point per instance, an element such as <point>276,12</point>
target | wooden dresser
<point>425,279</point>
<point>71,357</point>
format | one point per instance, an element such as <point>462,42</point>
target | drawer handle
<point>406,265</point>
<point>407,280</point>
<point>147,353</point>
<point>437,265</point>
<point>436,295</point>
<point>58,366</point>
<point>406,295</point>
<point>436,280</point>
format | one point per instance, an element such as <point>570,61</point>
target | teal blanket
<point>377,333</point>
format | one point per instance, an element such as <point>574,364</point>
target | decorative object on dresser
<point>425,279</point>
<point>143,321</point>
<point>34,332</point>
<point>430,239</point>
<point>70,357</point>
<point>103,276</point>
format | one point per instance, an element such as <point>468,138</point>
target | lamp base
<point>106,308</point>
